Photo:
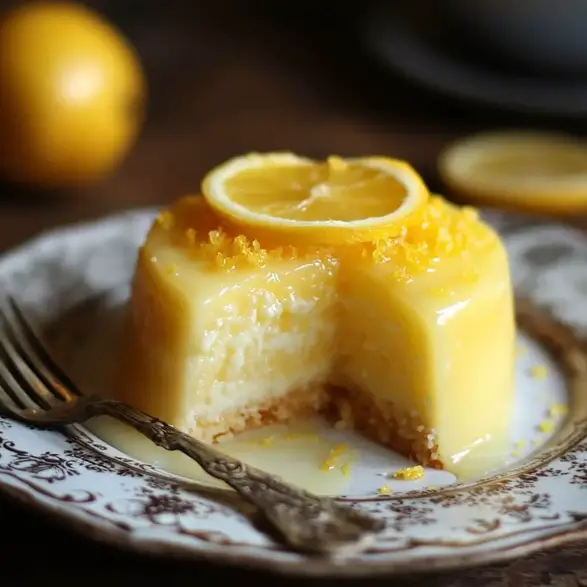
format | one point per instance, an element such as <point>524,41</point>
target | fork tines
<point>29,378</point>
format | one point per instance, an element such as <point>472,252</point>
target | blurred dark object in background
<point>532,37</point>
<point>539,36</point>
<point>486,53</point>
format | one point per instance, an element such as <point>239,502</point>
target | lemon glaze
<point>409,339</point>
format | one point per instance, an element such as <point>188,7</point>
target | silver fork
<point>34,389</point>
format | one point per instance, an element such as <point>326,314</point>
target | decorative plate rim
<point>107,532</point>
<point>109,535</point>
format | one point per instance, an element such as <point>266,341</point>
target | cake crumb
<point>520,444</point>
<point>431,487</point>
<point>330,462</point>
<point>346,470</point>
<point>409,473</point>
<point>538,372</point>
<point>171,269</point>
<point>558,410</point>
<point>384,490</point>
<point>546,426</point>
<point>515,454</point>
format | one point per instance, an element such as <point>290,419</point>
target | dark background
<point>228,77</point>
<point>232,76</point>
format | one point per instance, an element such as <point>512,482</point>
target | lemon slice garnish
<point>534,171</point>
<point>329,202</point>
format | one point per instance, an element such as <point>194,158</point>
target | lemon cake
<point>408,338</point>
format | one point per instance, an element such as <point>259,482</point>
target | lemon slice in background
<point>338,201</point>
<point>531,171</point>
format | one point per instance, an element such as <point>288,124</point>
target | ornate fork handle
<point>307,522</point>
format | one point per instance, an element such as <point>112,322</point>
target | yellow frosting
<point>410,338</point>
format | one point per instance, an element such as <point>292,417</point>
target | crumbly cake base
<point>383,422</point>
<point>380,421</point>
<point>297,404</point>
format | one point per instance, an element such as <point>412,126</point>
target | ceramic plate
<point>74,283</point>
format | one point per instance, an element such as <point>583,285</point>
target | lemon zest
<point>409,473</point>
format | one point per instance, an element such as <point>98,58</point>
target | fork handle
<point>307,522</point>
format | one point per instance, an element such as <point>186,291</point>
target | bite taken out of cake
<point>408,338</point>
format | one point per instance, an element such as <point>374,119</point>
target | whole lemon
<point>72,95</point>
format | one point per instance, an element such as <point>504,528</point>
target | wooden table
<point>223,82</point>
